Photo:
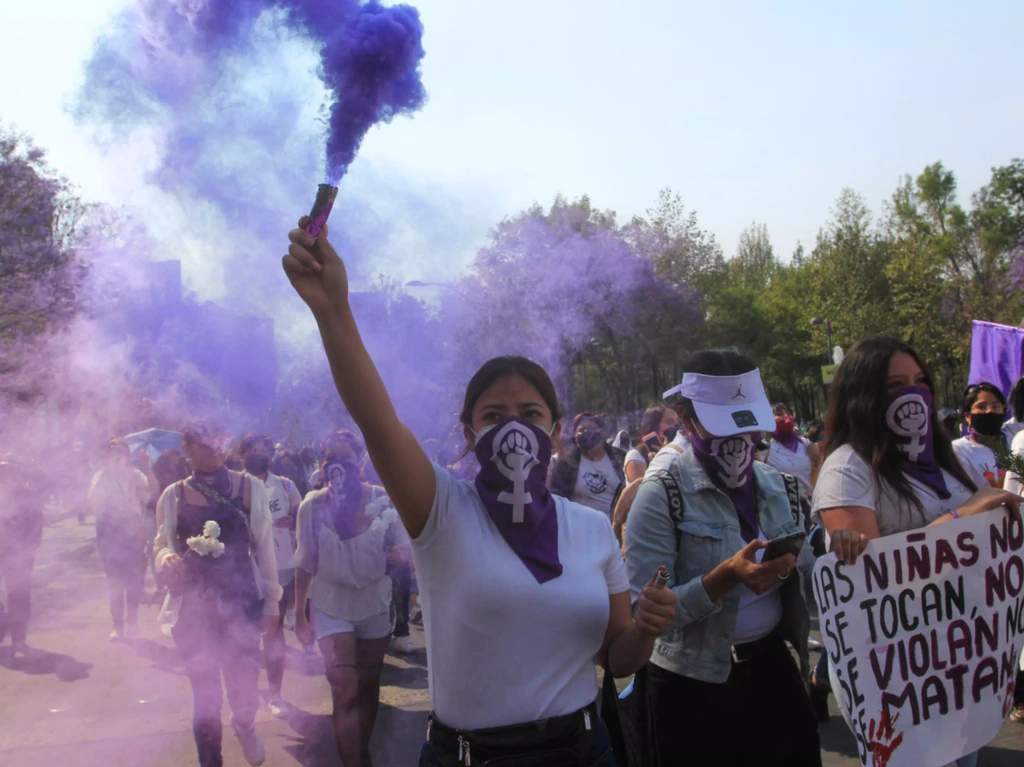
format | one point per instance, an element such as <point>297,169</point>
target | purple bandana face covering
<point>514,457</point>
<point>909,419</point>
<point>729,463</point>
<point>345,491</point>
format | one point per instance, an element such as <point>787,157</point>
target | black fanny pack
<point>561,741</point>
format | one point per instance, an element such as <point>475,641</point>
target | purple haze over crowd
<point>235,104</point>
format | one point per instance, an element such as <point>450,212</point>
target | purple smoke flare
<point>370,57</point>
<point>371,64</point>
<point>369,53</point>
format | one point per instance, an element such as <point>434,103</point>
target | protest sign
<point>924,633</point>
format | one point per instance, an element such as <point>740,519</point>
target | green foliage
<point>41,273</point>
<point>922,273</point>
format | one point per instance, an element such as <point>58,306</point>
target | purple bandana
<point>729,463</point>
<point>909,419</point>
<point>514,457</point>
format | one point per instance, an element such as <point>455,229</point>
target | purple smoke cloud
<point>369,54</point>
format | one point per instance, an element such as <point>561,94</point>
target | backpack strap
<point>796,502</point>
<point>675,500</point>
<point>214,496</point>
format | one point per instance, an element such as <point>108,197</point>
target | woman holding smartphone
<point>722,686</point>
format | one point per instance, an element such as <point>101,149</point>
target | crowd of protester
<point>642,549</point>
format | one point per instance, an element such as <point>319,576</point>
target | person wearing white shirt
<point>283,500</point>
<point>1015,484</point>
<point>350,542</point>
<point>979,452</point>
<point>215,548</point>
<point>881,403</point>
<point>521,590</point>
<point>709,514</point>
<point>788,451</point>
<point>659,426</point>
<point>590,470</point>
<point>1015,423</point>
<point>117,498</point>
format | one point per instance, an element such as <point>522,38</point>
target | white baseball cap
<point>728,405</point>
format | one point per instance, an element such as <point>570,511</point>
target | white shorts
<point>374,627</point>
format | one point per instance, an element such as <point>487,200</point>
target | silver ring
<point>783,577</point>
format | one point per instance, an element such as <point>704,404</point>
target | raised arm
<point>318,276</point>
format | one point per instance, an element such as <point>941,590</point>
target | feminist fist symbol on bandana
<point>734,455</point>
<point>907,416</point>
<point>515,454</point>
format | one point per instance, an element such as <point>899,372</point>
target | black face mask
<point>670,433</point>
<point>588,440</point>
<point>987,424</point>
<point>257,464</point>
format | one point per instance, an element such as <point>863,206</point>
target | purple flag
<point>997,352</point>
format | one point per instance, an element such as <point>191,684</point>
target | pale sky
<point>751,111</point>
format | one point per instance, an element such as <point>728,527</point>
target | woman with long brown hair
<point>890,467</point>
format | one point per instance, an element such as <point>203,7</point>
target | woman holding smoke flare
<point>722,687</point>
<point>889,465</point>
<point>521,589</point>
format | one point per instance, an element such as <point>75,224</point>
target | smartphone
<point>652,442</point>
<point>786,544</point>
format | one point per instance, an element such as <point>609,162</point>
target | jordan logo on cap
<point>739,393</point>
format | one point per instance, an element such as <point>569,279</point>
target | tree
<point>998,221</point>
<point>754,262</point>
<point>40,270</point>
<point>848,262</point>
<point>568,288</point>
<point>670,237</point>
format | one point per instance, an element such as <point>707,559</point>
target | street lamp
<point>828,331</point>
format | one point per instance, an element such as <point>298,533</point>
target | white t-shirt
<point>634,456</point>
<point>350,579</point>
<point>284,500</point>
<point>502,648</point>
<point>120,493</point>
<point>796,462</point>
<point>664,457</point>
<point>846,479</point>
<point>757,614</point>
<point>1012,482</point>
<point>979,461</point>
<point>596,483</point>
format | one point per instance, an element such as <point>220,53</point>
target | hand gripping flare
<point>325,194</point>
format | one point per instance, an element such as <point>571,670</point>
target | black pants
<point>16,574</point>
<point>216,643</point>
<point>761,715</point>
<point>122,550</point>
<point>442,751</point>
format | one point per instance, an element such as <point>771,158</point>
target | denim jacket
<point>700,643</point>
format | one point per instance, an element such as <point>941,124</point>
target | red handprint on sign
<point>888,740</point>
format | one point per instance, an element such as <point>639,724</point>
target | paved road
<point>81,701</point>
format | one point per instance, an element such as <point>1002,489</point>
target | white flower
<point>207,543</point>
